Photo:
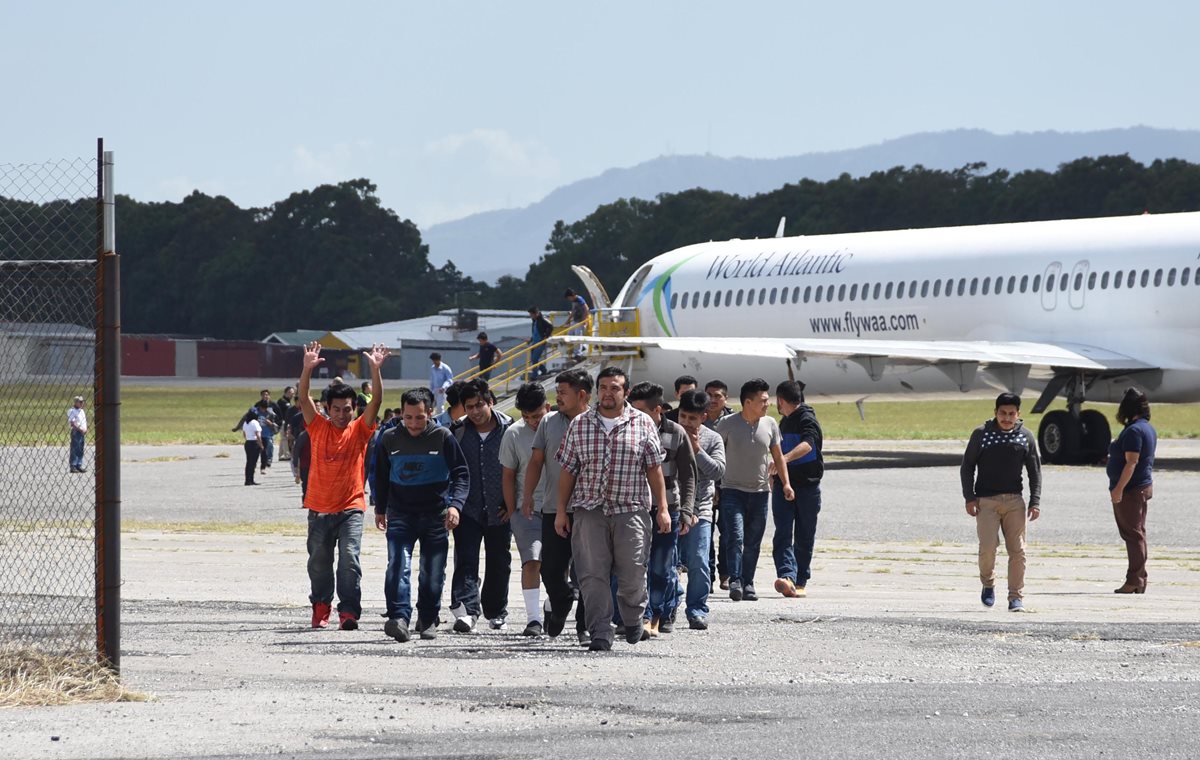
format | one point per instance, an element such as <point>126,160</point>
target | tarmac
<point>890,655</point>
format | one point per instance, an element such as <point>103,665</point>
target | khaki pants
<point>606,546</point>
<point>1004,513</point>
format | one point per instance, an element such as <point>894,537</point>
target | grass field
<point>151,415</point>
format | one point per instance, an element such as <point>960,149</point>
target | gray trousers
<point>603,547</point>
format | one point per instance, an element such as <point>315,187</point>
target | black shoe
<point>698,624</point>
<point>748,594</point>
<point>252,483</point>
<point>735,591</point>
<point>666,625</point>
<point>397,628</point>
<point>554,623</point>
<point>533,629</point>
<point>600,645</point>
<point>428,631</point>
<point>633,634</point>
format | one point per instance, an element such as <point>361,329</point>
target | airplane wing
<point>958,359</point>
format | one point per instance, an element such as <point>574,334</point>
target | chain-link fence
<point>50,236</point>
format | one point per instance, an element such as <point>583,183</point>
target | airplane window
<point>796,294</point>
<point>1024,282</point>
<point>738,298</point>
<point>1104,281</point>
<point>707,295</point>
<point>1092,281</point>
<point>1183,276</point>
<point>728,297</point>
<point>1064,281</point>
<point>1171,277</point>
<point>937,288</point>
<point>987,281</point>
<point>887,293</point>
<point>1037,284</point>
<point>842,292</point>
<point>912,289</point>
<point>674,300</point>
<point>817,296</point>
<point>1145,277</point>
<point>962,287</point>
<point>925,289</point>
<point>853,291</point>
<point>899,290</point>
<point>974,285</point>
<point>783,295</point>
<point>1157,278</point>
<point>1117,280</point>
<point>1012,284</point>
<point>683,301</point>
<point>774,293</point>
<point>696,299</point>
<point>808,294</point>
<point>1050,283</point>
<point>762,296</point>
<point>875,292</point>
<point>1129,280</point>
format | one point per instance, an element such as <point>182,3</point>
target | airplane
<point>1082,308</point>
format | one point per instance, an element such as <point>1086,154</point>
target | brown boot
<point>1129,588</point>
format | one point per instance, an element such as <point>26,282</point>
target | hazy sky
<point>456,107</point>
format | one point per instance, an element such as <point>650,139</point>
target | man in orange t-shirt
<point>335,498</point>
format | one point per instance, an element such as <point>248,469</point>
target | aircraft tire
<point>1096,436</point>
<point>1059,438</point>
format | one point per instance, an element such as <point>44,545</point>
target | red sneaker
<point>320,616</point>
<point>347,621</point>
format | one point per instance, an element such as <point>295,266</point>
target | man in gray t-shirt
<point>752,443</point>
<point>516,451</point>
<point>540,494</point>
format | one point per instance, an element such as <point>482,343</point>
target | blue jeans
<point>76,456</point>
<point>492,600</point>
<point>743,524</point>
<point>661,571</point>
<point>795,529</point>
<point>268,452</point>
<point>404,530</point>
<point>535,356</point>
<point>693,546</point>
<point>325,530</point>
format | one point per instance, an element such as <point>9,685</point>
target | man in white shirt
<point>77,420</point>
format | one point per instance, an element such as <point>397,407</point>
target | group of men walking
<point>606,499</point>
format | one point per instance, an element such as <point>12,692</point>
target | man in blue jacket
<point>421,482</point>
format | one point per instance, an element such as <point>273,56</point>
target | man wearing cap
<point>77,419</point>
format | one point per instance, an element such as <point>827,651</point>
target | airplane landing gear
<point>1071,436</point>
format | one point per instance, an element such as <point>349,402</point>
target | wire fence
<point>50,235</point>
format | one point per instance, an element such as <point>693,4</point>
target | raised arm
<point>378,355</point>
<point>312,359</point>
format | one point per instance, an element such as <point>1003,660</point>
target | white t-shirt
<point>77,418</point>
<point>608,422</point>
<point>252,430</point>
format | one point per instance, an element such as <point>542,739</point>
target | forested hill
<point>333,257</point>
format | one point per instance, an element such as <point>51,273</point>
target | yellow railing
<point>516,362</point>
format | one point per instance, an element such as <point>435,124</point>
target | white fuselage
<point>1129,285</point>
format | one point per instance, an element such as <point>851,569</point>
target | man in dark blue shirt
<point>796,520</point>
<point>1131,483</point>
<point>484,516</point>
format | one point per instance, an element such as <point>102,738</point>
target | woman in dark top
<point>1130,467</point>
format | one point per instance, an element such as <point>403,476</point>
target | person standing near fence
<point>77,422</point>
<point>335,497</point>
<point>487,355</point>
<point>579,315</point>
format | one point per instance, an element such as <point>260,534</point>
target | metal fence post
<point>108,422</point>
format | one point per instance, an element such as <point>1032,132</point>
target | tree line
<point>334,257</point>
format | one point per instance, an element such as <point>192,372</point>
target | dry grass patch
<point>29,678</point>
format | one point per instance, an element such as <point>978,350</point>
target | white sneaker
<point>498,624</point>
<point>464,622</point>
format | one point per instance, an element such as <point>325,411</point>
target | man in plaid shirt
<point>612,476</point>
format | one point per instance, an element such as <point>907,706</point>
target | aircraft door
<point>1077,287</point>
<point>1050,285</point>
